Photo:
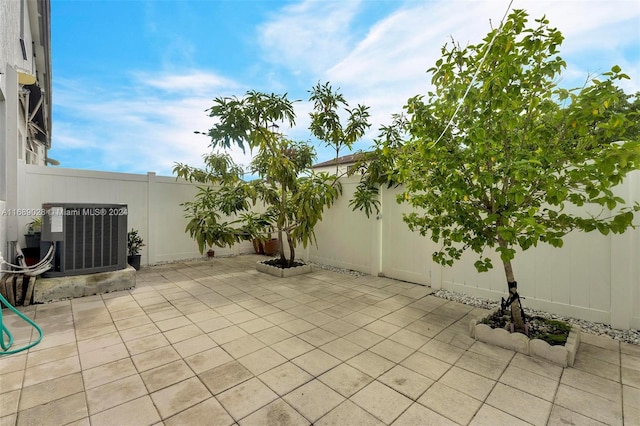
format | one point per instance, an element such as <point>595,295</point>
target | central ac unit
<point>89,238</point>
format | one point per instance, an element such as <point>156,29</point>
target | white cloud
<point>588,24</point>
<point>308,36</point>
<point>191,81</point>
<point>389,65</point>
<point>145,128</point>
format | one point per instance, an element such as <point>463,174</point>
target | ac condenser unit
<point>89,238</point>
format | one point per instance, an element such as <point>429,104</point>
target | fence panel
<point>593,277</point>
<point>153,203</point>
<point>347,239</point>
<point>406,255</point>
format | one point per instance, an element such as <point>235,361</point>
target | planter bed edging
<point>562,355</point>
<point>282,272</point>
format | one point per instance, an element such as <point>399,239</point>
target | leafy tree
<point>203,212</point>
<point>325,119</point>
<point>294,197</point>
<point>519,151</point>
<point>379,166</point>
<point>629,104</point>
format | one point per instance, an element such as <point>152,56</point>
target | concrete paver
<point>216,343</point>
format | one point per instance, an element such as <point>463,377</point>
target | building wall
<point>9,158</point>
<point>342,169</point>
<point>9,30</point>
<point>3,168</point>
<point>14,24</point>
<point>10,34</point>
<point>11,59</point>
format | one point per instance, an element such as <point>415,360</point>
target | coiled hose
<point>6,338</point>
<point>6,334</point>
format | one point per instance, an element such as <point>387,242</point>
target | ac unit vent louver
<point>89,237</point>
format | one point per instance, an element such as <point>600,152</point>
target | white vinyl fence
<point>153,206</point>
<point>593,277</point>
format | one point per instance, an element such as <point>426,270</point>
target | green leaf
<point>496,164</point>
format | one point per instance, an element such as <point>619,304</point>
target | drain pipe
<point>6,338</point>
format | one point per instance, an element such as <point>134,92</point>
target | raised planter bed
<point>276,271</point>
<point>563,355</point>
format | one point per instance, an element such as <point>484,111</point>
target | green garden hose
<point>4,331</point>
<point>6,338</point>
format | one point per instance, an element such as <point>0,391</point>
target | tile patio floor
<point>217,343</point>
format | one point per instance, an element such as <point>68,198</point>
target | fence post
<point>625,272</point>
<point>436,275</point>
<point>622,278</point>
<point>152,211</point>
<point>376,239</point>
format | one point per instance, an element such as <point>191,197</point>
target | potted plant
<point>271,246</point>
<point>31,251</point>
<point>205,226</point>
<point>259,229</point>
<point>258,246</point>
<point>34,228</point>
<point>134,244</point>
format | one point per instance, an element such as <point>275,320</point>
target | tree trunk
<point>281,222</point>
<point>283,257</point>
<point>516,309</point>
<point>292,250</point>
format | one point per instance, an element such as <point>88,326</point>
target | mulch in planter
<point>551,331</point>
<point>278,263</point>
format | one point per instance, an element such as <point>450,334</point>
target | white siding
<point>12,120</point>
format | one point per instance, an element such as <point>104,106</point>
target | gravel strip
<point>629,336</point>
<point>338,270</point>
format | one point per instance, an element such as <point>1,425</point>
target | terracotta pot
<point>271,247</point>
<point>211,253</point>
<point>258,246</point>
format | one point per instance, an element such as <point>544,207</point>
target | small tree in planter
<point>294,204</point>
<point>495,154</point>
<point>293,197</point>
<point>134,244</point>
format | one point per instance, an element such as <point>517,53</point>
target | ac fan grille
<point>86,248</point>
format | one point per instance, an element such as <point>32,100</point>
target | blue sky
<point>132,79</point>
